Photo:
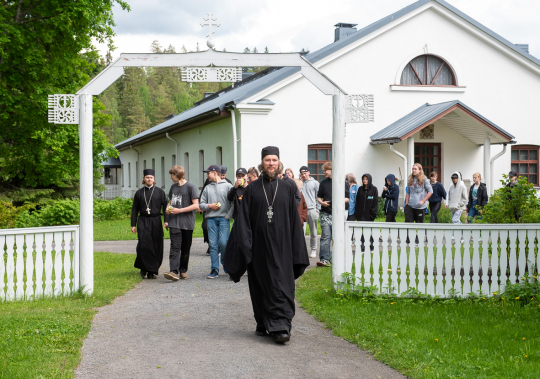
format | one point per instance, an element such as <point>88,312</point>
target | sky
<point>290,25</point>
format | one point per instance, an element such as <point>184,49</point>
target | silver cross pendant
<point>270,214</point>
<point>148,210</point>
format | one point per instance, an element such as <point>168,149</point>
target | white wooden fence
<point>440,259</point>
<point>38,262</point>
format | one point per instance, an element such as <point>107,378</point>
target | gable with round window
<point>428,70</point>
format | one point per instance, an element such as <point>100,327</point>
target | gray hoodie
<point>457,195</point>
<point>417,192</point>
<point>310,189</point>
<point>214,193</point>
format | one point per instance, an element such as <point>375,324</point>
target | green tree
<point>46,48</point>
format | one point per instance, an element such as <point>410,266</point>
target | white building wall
<point>207,138</point>
<point>496,86</point>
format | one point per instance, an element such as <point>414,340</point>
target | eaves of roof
<point>426,114</point>
<point>254,85</point>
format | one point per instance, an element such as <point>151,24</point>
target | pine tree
<point>266,50</point>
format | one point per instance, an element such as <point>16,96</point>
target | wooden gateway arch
<point>77,109</point>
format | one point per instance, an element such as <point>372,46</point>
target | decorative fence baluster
<point>75,260</point>
<point>485,261</point>
<point>430,287</point>
<point>348,250</point>
<point>58,239</point>
<point>48,264</point>
<point>513,245</point>
<point>531,236</point>
<point>537,247</point>
<point>2,268</point>
<point>358,256</point>
<point>368,258</point>
<point>394,259</point>
<point>411,253</point>
<point>421,260</point>
<point>505,256</point>
<point>522,258</point>
<point>439,259</point>
<point>19,266</point>
<point>466,263</point>
<point>38,242</point>
<point>67,262</point>
<point>29,243</point>
<point>476,261</point>
<point>10,268</point>
<point>494,262</point>
<point>374,239</point>
<point>384,259</point>
<point>403,258</point>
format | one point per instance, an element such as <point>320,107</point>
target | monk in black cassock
<point>267,239</point>
<point>148,205</point>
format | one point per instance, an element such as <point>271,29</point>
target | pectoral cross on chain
<point>270,214</point>
<point>148,210</point>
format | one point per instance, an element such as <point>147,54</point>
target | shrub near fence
<point>61,212</point>
<point>431,259</point>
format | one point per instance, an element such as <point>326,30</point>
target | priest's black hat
<point>270,150</point>
<point>149,171</point>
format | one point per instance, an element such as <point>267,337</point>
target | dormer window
<point>428,70</point>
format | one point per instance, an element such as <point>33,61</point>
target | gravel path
<point>199,328</point>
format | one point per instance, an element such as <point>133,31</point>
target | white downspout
<point>235,141</point>
<point>405,164</point>
<point>175,141</point>
<point>491,168</point>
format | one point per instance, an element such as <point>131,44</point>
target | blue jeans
<point>326,237</point>
<point>473,212</point>
<point>219,229</point>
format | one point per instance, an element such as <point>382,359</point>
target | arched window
<point>428,70</point>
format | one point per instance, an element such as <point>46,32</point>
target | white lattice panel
<point>212,74</point>
<point>63,109</point>
<point>359,109</point>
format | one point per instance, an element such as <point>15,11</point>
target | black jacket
<point>481,196</point>
<point>391,195</point>
<point>236,195</point>
<point>367,201</point>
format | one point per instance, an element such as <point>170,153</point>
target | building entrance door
<point>429,156</point>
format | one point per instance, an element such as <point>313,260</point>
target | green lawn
<point>120,230</point>
<point>43,338</point>
<point>433,339</point>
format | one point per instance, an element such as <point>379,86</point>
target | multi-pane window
<point>317,156</point>
<point>525,162</point>
<point>428,70</point>
<point>429,156</point>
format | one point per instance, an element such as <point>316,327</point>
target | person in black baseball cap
<point>224,173</point>
<point>236,193</point>
<point>512,176</point>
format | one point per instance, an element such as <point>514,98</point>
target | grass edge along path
<point>431,339</point>
<point>43,338</point>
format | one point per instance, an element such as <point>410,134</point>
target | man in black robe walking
<point>267,239</point>
<point>149,203</point>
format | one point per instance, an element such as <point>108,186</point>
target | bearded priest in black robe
<point>267,239</point>
<point>149,203</point>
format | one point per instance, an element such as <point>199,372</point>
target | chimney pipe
<point>343,30</point>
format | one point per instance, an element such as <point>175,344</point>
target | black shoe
<point>151,276</point>
<point>143,274</point>
<point>281,337</point>
<point>261,331</point>
<point>208,251</point>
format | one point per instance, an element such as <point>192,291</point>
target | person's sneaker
<point>183,275</point>
<point>323,263</point>
<point>151,276</point>
<point>171,276</point>
<point>208,251</point>
<point>313,253</point>
<point>213,275</point>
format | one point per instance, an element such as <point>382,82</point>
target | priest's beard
<point>271,175</point>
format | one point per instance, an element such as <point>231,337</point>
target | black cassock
<point>274,254</point>
<point>149,228</point>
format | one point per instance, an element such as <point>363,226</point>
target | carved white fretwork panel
<point>359,108</point>
<point>212,74</point>
<point>63,109</point>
